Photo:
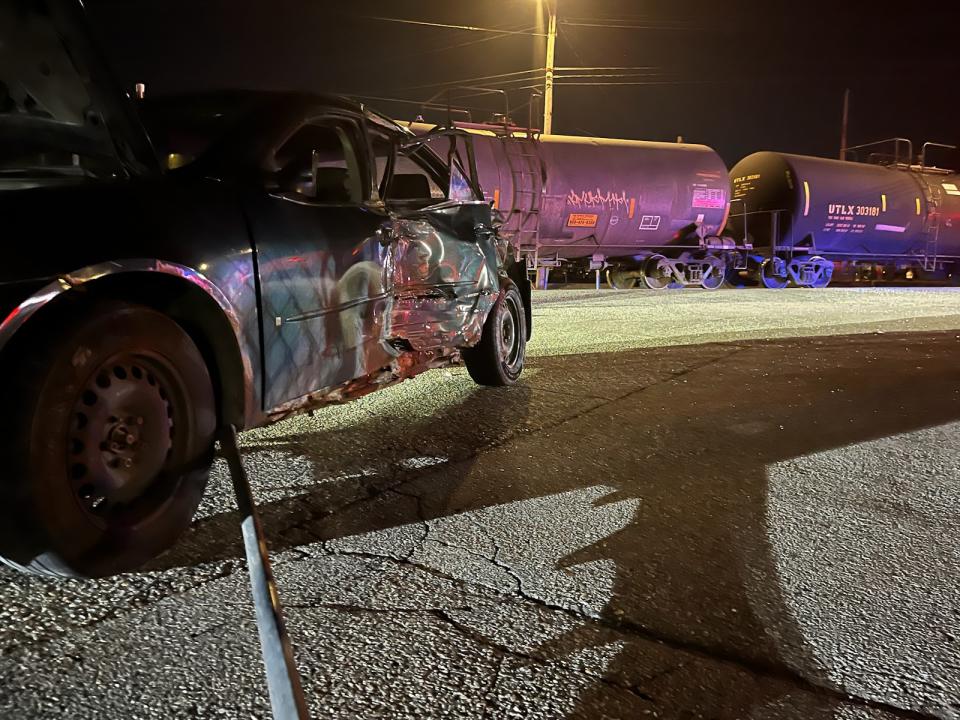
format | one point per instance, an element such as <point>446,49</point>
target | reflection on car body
<point>256,254</point>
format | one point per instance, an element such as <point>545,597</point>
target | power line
<point>472,28</point>
<point>609,75</point>
<point>572,45</point>
<point>642,82</point>
<point>418,103</point>
<point>625,27</point>
<point>481,78</point>
<point>622,18</point>
<point>455,46</point>
<point>431,51</point>
<point>609,67</point>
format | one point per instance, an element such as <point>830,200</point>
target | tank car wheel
<point>657,273</point>
<point>621,279</point>
<point>111,444</point>
<point>714,273</point>
<point>769,277</point>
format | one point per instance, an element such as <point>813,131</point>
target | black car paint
<point>284,296</point>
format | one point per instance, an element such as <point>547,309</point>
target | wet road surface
<point>741,504</point>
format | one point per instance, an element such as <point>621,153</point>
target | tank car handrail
<point>475,91</point>
<point>897,141</point>
<point>507,124</point>
<point>436,106</point>
<point>923,154</point>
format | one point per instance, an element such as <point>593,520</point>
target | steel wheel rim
<point>121,438</point>
<point>718,271</point>
<point>771,281</point>
<point>510,341</point>
<point>657,276</point>
<point>618,280</point>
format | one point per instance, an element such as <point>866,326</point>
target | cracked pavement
<point>740,504</point>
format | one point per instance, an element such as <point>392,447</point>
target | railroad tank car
<point>796,216</point>
<point>619,205</point>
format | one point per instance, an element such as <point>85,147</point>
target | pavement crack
<point>364,609</point>
<point>400,560</point>
<point>481,639</point>
<point>421,516</point>
<point>505,651</point>
<point>623,626</point>
<point>632,689</point>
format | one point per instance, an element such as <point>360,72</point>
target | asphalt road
<point>740,504</point>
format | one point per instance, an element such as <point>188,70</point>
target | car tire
<point>497,360</point>
<point>109,440</point>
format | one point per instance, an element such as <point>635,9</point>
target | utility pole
<point>551,55</point>
<point>843,126</point>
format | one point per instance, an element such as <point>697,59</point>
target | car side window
<point>319,164</point>
<point>410,182</point>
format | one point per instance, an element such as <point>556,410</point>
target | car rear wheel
<point>498,358</point>
<point>110,440</point>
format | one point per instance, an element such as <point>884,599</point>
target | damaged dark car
<point>177,267</point>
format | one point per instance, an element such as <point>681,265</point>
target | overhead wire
<point>568,76</point>
<point>641,82</point>
<point>418,103</point>
<point>444,48</point>
<point>607,75</point>
<point>568,23</point>
<point>566,36</point>
<point>481,78</point>
<point>609,67</point>
<point>472,28</point>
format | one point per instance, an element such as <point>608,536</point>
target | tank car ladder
<point>526,171</point>
<point>934,199</point>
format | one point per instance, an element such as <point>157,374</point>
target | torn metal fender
<point>446,277</point>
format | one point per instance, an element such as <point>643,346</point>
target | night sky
<point>739,77</point>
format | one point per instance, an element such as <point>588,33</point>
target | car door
<point>444,253</point>
<point>325,299</point>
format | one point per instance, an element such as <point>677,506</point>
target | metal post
<point>551,61</point>
<point>543,277</point>
<point>843,126</point>
<point>283,679</point>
